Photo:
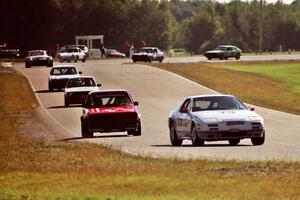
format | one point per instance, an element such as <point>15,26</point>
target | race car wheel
<point>67,103</point>
<point>221,57</point>
<point>173,137</point>
<point>161,59</point>
<point>134,61</point>
<point>237,56</point>
<point>209,58</point>
<point>137,132</point>
<point>50,64</point>
<point>83,59</point>
<point>85,132</point>
<point>27,65</point>
<point>234,142</point>
<point>258,140</point>
<point>50,87</point>
<point>77,58</point>
<point>194,137</point>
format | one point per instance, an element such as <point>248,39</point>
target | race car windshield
<point>221,48</point>
<point>63,71</point>
<point>146,50</point>
<point>81,82</point>
<point>110,100</point>
<point>217,103</point>
<point>37,53</point>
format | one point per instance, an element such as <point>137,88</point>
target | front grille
<point>113,121</point>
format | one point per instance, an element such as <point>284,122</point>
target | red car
<point>110,111</point>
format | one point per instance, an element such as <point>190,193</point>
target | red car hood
<point>117,109</point>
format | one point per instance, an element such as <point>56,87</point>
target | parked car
<point>60,74</point>
<point>38,58</point>
<point>78,88</point>
<point>148,54</point>
<point>112,53</point>
<point>8,53</point>
<point>110,111</point>
<point>224,52</point>
<point>71,54</point>
<point>83,48</point>
<point>215,117</point>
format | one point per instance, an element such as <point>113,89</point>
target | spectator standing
<point>131,50</point>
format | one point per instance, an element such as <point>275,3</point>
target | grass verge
<point>31,169</point>
<point>274,84</point>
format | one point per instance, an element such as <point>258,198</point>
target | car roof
<point>82,77</point>
<point>63,66</point>
<point>227,46</point>
<point>37,51</point>
<point>210,95</point>
<point>112,90</point>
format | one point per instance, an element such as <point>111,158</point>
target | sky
<point>268,1</point>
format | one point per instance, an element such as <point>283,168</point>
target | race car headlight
<point>254,118</point>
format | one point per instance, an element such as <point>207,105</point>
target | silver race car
<point>215,117</point>
<point>78,88</point>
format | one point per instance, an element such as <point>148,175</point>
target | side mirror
<point>99,85</point>
<point>136,103</point>
<point>184,110</point>
<point>80,72</point>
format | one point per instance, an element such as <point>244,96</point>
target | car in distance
<point>38,58</point>
<point>148,54</point>
<point>215,117</point>
<point>112,53</point>
<point>71,54</point>
<point>77,89</point>
<point>59,76</point>
<point>110,111</point>
<point>8,53</point>
<point>83,48</point>
<point>224,52</point>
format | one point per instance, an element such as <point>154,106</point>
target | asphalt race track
<point>159,92</point>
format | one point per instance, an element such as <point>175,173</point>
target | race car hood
<point>64,76</point>
<point>227,115</point>
<point>117,109</point>
<point>214,52</point>
<point>81,89</point>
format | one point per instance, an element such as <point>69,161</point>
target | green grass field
<point>33,169</point>
<point>274,84</point>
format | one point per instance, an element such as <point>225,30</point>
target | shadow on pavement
<point>47,91</point>
<point>205,145</point>
<point>98,136</point>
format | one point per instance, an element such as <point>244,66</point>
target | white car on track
<point>60,74</point>
<point>71,54</point>
<point>78,88</point>
<point>215,117</point>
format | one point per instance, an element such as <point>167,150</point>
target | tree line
<point>193,24</point>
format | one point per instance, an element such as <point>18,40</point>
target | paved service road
<point>158,92</point>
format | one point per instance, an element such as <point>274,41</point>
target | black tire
<point>50,87</point>
<point>27,65</point>
<point>50,64</point>
<point>76,58</point>
<point>173,137</point>
<point>209,58</point>
<point>67,103</point>
<point>137,132</point>
<point>195,138</point>
<point>150,60</point>
<point>221,57</point>
<point>85,132</point>
<point>258,140</point>
<point>237,56</point>
<point>83,59</point>
<point>134,61</point>
<point>234,142</point>
<point>161,59</point>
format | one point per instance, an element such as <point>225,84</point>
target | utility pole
<point>260,26</point>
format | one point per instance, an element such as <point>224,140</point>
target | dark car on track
<point>110,111</point>
<point>38,58</point>
<point>224,52</point>
<point>148,54</point>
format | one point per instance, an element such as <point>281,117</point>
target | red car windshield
<point>109,99</point>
